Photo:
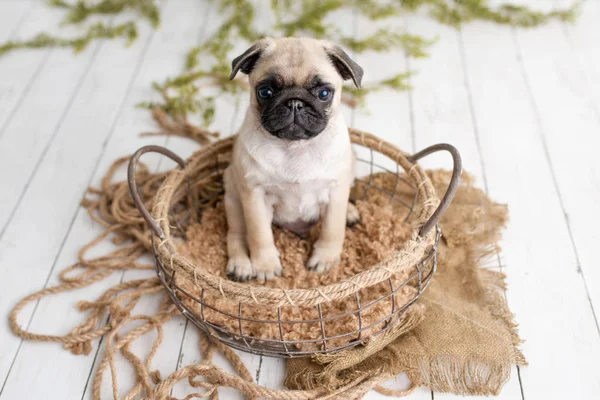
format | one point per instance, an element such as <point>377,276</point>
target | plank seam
<point>474,123</point>
<point>259,369</point>
<point>89,378</point>
<point>519,376</point>
<point>180,355</point>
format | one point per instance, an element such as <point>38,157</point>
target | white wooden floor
<point>523,106</point>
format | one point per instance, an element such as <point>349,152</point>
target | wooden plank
<point>174,39</point>
<point>546,292</point>
<point>442,112</point>
<point>48,209</point>
<point>573,133</point>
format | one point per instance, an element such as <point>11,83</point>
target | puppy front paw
<point>239,268</point>
<point>324,257</point>
<point>267,264</point>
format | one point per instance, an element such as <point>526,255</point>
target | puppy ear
<point>347,68</point>
<point>246,61</point>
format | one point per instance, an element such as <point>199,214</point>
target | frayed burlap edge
<point>348,360</point>
<point>470,377</point>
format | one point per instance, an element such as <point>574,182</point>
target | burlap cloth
<point>466,342</point>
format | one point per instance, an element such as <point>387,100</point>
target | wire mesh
<point>281,347</point>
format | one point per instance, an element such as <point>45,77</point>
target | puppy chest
<point>299,201</point>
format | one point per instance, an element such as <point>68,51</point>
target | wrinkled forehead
<point>296,63</point>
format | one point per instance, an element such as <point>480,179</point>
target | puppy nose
<point>295,104</point>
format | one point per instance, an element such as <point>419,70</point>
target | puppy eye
<point>265,92</point>
<point>324,94</point>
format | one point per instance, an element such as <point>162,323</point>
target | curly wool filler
<point>382,231</point>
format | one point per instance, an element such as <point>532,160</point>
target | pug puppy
<point>292,161</point>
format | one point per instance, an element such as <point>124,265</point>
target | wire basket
<point>197,183</point>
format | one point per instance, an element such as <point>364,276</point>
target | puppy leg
<point>352,215</point>
<point>328,248</point>
<point>239,267</point>
<point>259,217</point>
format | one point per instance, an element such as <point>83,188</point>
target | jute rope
<point>110,315</point>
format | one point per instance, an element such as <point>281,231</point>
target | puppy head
<point>296,84</point>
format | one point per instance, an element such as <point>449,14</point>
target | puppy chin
<point>294,132</point>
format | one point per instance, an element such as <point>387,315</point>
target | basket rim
<point>411,252</point>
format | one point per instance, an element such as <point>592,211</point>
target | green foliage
<point>193,92</point>
<point>310,18</point>
<point>127,30</point>
<point>81,10</point>
<point>458,12</point>
<point>384,40</point>
<point>357,97</point>
<point>376,9</point>
<point>310,21</point>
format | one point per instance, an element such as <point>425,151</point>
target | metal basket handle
<point>133,187</point>
<point>452,187</point>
